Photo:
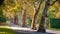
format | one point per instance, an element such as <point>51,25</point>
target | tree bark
<point>15,18</point>
<point>24,18</point>
<point>42,27</point>
<point>33,26</point>
<point>43,18</point>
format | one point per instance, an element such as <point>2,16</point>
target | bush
<point>2,19</point>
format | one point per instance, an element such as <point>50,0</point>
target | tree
<point>36,10</point>
<point>24,14</point>
<point>2,17</point>
<point>10,10</point>
<point>44,16</point>
<point>24,18</point>
<point>16,18</point>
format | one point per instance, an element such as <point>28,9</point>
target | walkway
<point>20,30</point>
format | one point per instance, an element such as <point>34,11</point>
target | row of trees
<point>28,7</point>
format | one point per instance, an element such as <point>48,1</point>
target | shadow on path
<point>31,33</point>
<point>19,30</point>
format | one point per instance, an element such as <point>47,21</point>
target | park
<point>29,16</point>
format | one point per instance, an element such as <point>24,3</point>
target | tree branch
<point>37,4</point>
<point>52,3</point>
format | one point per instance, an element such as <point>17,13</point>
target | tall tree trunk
<point>16,20</point>
<point>43,18</point>
<point>33,26</point>
<point>42,27</point>
<point>24,18</point>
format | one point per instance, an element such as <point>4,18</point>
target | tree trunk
<point>11,19</point>
<point>43,18</point>
<point>15,19</point>
<point>42,25</point>
<point>24,18</point>
<point>33,26</point>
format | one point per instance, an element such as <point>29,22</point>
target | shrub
<point>2,19</point>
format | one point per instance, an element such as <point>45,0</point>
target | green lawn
<point>6,30</point>
<point>58,29</point>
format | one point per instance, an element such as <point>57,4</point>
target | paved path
<point>20,30</point>
<point>27,30</point>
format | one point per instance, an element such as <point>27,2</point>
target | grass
<point>6,30</point>
<point>58,29</point>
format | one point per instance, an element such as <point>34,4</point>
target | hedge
<point>2,19</point>
<point>55,22</point>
